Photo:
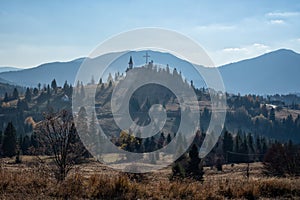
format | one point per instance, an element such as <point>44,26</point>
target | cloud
<point>234,54</point>
<point>234,49</point>
<point>277,21</point>
<point>215,27</point>
<point>247,49</point>
<point>282,14</point>
<point>260,46</point>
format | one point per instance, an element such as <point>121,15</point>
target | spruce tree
<point>227,144</point>
<point>9,141</point>
<point>35,91</point>
<point>161,141</point>
<point>15,94</point>
<point>0,137</point>
<point>194,169</point>
<point>169,139</point>
<point>54,85</point>
<point>6,97</point>
<point>272,115</point>
<point>25,145</point>
<point>66,87</point>
<point>82,91</point>
<point>147,145</point>
<point>82,126</point>
<point>28,95</point>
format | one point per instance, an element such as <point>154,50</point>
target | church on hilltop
<point>130,64</point>
<point>161,69</point>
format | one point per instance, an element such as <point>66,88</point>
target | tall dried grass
<point>33,183</point>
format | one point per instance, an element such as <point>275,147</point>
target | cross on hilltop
<point>146,56</point>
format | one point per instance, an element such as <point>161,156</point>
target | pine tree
<point>147,145</point>
<point>25,145</point>
<point>93,126</point>
<point>0,137</point>
<point>139,147</point>
<point>259,148</point>
<point>110,78</point>
<point>5,97</point>
<point>227,144</point>
<point>82,91</point>
<point>264,145</point>
<point>161,141</point>
<point>237,147</point>
<point>82,126</point>
<point>66,87</point>
<point>54,85</point>
<point>194,169</point>
<point>28,95</point>
<point>152,145</point>
<point>264,111</point>
<point>272,115</point>
<point>48,90</point>
<point>250,143</point>
<point>169,139</point>
<point>100,81</point>
<point>35,91</point>
<point>9,141</point>
<point>15,94</point>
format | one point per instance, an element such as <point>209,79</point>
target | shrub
<point>282,160</point>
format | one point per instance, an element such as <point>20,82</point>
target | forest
<point>259,131</point>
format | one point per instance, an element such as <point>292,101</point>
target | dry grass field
<point>32,180</point>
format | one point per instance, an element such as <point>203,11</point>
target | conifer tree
<point>15,94</point>
<point>9,141</point>
<point>54,85</point>
<point>28,95</point>
<point>0,137</point>
<point>272,115</point>
<point>194,169</point>
<point>82,91</point>
<point>5,97</point>
<point>227,144</point>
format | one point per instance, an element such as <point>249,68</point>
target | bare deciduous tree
<point>57,135</point>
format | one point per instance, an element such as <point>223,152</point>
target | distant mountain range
<point>44,73</point>
<point>271,73</point>
<point>7,69</point>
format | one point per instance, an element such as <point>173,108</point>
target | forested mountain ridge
<point>271,73</point>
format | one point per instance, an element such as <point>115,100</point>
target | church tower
<point>130,64</point>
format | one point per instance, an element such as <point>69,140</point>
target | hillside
<point>5,87</point>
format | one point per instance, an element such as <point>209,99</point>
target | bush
<point>178,171</point>
<point>282,160</point>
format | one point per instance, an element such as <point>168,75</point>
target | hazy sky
<point>35,32</point>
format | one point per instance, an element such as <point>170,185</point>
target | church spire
<point>130,64</point>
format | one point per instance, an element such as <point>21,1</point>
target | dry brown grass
<point>95,181</point>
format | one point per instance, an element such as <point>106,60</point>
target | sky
<point>34,32</point>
